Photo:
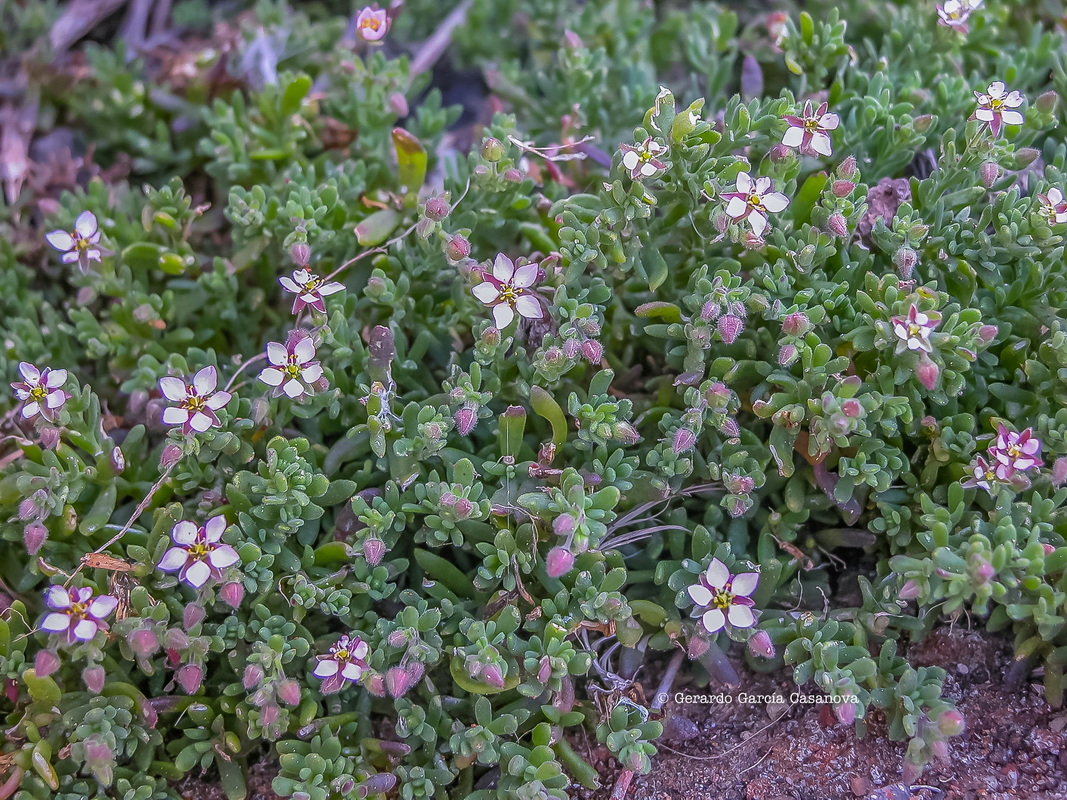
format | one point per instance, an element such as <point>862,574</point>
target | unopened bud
<point>398,638</point>
<point>28,508</point>
<point>796,324</point>
<point>905,259</point>
<point>684,439</point>
<point>143,642</point>
<point>466,418</point>
<point>457,248</point>
<point>842,188</point>
<point>563,525</point>
<point>170,456</point>
<point>625,433</point>
<point>398,104</point>
<point>927,372</point>
<point>739,484</point>
<point>751,241</point>
<point>175,639</point>
<point>787,355</point>
<point>492,150</point>
<point>493,676</point>
<point>846,712</point>
<point>852,408</point>
<point>1059,471</point>
<point>910,590</point>
<point>1047,102</point>
<point>45,663</point>
<point>374,551</point>
<point>49,437</point>
<point>190,677</point>
<point>779,152</point>
<point>759,644</point>
<point>951,723</point>
<point>463,508</point>
<point>572,40</point>
<point>375,684</point>
<point>837,224</point>
<point>983,571</point>
<point>559,562</point>
<point>437,208</point>
<point>988,173</point>
<point>730,327</point>
<point>94,678</point>
<point>513,175</point>
<point>118,460</point>
<point>987,333</point>
<point>232,594</point>
<point>491,336</point>
<point>1025,156</point>
<point>544,670</point>
<point>193,615</point>
<point>301,254</point>
<point>923,122</point>
<point>34,536</point>
<point>592,350</point>
<point>848,168</point>
<point>397,681</point>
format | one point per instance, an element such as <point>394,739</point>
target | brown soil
<point>1014,748</point>
<point>1014,745</point>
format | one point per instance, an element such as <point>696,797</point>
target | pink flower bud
<point>466,418</point>
<point>739,484</point>
<point>951,723</point>
<point>759,644</point>
<point>730,427</point>
<point>190,677</point>
<point>779,152</point>
<point>232,594</point>
<point>838,225</point>
<point>491,336</point>
<point>927,372</point>
<point>301,254</point>
<point>143,642</point>
<point>987,333</point>
<point>1047,102</point>
<point>375,684</point>
<point>28,509</point>
<point>397,681</point>
<point>842,188</point>
<point>457,248</point>
<point>787,355</point>
<point>398,638</point>
<point>493,676</point>
<point>796,324</point>
<point>193,615</point>
<point>910,590</point>
<point>94,678</point>
<point>463,509</point>
<point>398,104</point>
<point>374,551</point>
<point>625,433</point>
<point>592,350</point>
<point>170,456</point>
<point>1048,548</point>
<point>289,692</point>
<point>572,40</point>
<point>846,712</point>
<point>34,536</point>
<point>989,173</point>
<point>563,525</point>
<point>252,677</point>
<point>544,670</point>
<point>45,663</point>
<point>684,439</point>
<point>983,570</point>
<point>905,259</point>
<point>751,241</point>
<point>852,408</point>
<point>722,222</point>
<point>175,639</point>
<point>730,327</point>
<point>847,168</point>
<point>437,208</point>
<point>512,175</point>
<point>1059,471</point>
<point>268,714</point>
<point>559,562</point>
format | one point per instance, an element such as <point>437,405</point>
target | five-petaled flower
<point>372,23</point>
<point>197,401</point>
<point>40,391</point>
<point>197,554</point>
<point>76,612</point>
<point>721,597</point>
<point>752,200</point>
<point>809,132</point>
<point>309,289</point>
<point>913,331</point>
<point>955,13</point>
<point>1015,452</point>
<point>346,661</point>
<point>1053,208</point>
<point>507,290</point>
<point>642,160</point>
<point>293,369</point>
<point>983,474</point>
<point>996,107</point>
<point>80,244</point>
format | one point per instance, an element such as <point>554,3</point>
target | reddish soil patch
<point>1014,745</point>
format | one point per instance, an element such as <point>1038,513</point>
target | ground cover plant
<point>386,430</point>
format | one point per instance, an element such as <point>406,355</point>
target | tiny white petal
<point>744,182</point>
<point>700,593</point>
<point>57,597</point>
<point>775,202</point>
<point>205,381</point>
<point>304,351</point>
<point>293,388</point>
<point>85,630</point>
<point>277,354</point>
<point>360,651</point>
<point>333,287</point>
<point>1012,118</point>
<point>326,668</point>
<point>30,410</point>
<point>272,377</point>
<point>717,574</point>
<point>312,373</point>
<point>745,583</point>
<point>758,221</point>
<point>486,292</point>
<point>55,622</point>
<point>822,144</point>
<point>741,616</point>
<point>214,528</point>
<point>736,208</point>
<point>58,377</point>
<point>184,533</point>
<point>351,671</point>
<point>55,399</point>
<point>173,388</point>
<point>793,137</point>
<point>223,556</point>
<point>288,284</point>
<point>525,276</point>
<point>85,224</point>
<point>175,416</point>
<point>103,606</point>
<point>197,574</point>
<point>503,315</point>
<point>503,268</point>
<point>218,400</point>
<point>30,373</point>
<point>60,240</point>
<point>200,422</point>
<point>528,307</point>
<point>174,559</point>
<point>630,159</point>
<point>714,620</point>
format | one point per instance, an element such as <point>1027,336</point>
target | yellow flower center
<point>193,402</point>
<point>811,124</point>
<point>81,243</point>
<point>755,201</point>
<point>915,330</point>
<point>200,550</point>
<point>996,103</point>
<point>342,654</point>
<point>78,609</point>
<point>38,394</point>
<point>292,369</point>
<point>722,600</point>
<point>510,294</point>
<point>372,23</point>
<point>312,283</point>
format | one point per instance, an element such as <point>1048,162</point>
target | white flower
<point>1015,452</point>
<point>197,401</point>
<point>80,244</point>
<point>197,554</point>
<point>293,369</point>
<point>76,612</point>
<point>752,200</point>
<point>40,391</point>
<point>346,660</point>
<point>1052,207</point>
<point>309,289</point>
<point>995,107</point>
<point>506,291</point>
<point>642,160</point>
<point>913,331</point>
<point>809,132</point>
<point>955,13</point>
<point>372,23</point>
<point>721,597</point>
